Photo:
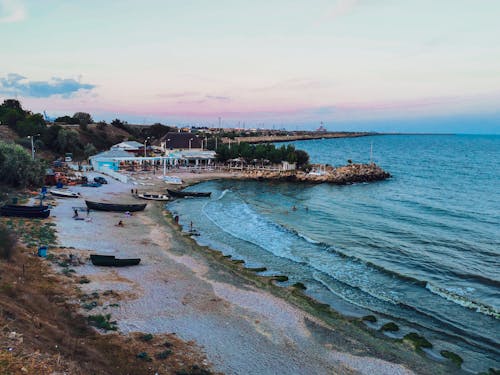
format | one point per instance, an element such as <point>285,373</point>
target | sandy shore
<point>241,328</point>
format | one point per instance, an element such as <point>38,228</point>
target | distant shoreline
<point>307,136</point>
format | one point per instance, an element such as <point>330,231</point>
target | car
<point>100,180</point>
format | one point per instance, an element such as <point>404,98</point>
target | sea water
<point>421,249</point>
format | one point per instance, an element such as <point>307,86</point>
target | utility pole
<point>33,145</point>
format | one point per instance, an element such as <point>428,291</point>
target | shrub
<point>102,322</point>
<point>147,337</point>
<point>7,243</point>
<point>164,354</point>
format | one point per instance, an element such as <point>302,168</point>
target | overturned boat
<point>30,212</point>
<point>111,261</point>
<point>187,194</point>
<point>101,206</point>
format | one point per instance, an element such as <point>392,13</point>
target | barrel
<point>42,251</point>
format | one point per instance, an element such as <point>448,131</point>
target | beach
<point>242,328</point>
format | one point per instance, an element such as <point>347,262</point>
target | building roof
<point>131,145</point>
<point>180,141</point>
<point>113,153</point>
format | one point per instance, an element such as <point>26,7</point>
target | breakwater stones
<point>348,174</point>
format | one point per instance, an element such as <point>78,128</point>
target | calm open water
<point>421,249</point>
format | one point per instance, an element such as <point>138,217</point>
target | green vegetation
<point>391,327</point>
<point>300,286</point>
<point>455,358</point>
<point>17,169</point>
<point>280,278</point>
<point>147,337</point>
<point>102,322</point>
<point>262,153</point>
<point>164,354</point>
<point>370,318</point>
<point>418,341</point>
<point>143,355</point>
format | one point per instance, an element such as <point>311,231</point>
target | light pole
<point>145,141</point>
<point>32,145</point>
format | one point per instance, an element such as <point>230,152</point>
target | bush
<point>17,169</point>
<point>7,243</point>
<point>102,322</point>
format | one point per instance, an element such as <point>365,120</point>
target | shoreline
<point>193,278</point>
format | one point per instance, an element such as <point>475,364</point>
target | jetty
<point>344,175</point>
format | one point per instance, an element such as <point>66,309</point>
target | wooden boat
<point>185,194</point>
<point>92,184</point>
<point>20,211</point>
<point>26,208</point>
<point>64,193</point>
<point>153,197</point>
<point>111,261</point>
<point>99,206</point>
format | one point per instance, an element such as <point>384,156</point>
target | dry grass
<point>41,332</point>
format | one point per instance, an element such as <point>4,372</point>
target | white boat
<point>153,197</point>
<point>64,193</point>
<point>174,180</point>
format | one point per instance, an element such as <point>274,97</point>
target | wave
<point>239,220</point>
<point>462,300</point>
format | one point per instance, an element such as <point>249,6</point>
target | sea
<point>421,249</point>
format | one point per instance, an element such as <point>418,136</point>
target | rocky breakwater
<point>344,175</point>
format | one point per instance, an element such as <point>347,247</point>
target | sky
<point>377,65</point>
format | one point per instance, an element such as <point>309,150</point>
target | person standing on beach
<point>75,211</point>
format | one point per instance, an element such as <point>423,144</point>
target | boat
<point>111,261</point>
<point>153,197</point>
<point>25,211</point>
<point>99,206</point>
<point>64,193</point>
<point>26,208</point>
<point>92,184</point>
<point>185,194</point>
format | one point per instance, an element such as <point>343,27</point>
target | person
<point>120,224</point>
<point>294,208</point>
<point>88,212</point>
<point>75,210</point>
<point>132,191</point>
<point>191,226</point>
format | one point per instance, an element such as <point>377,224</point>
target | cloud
<point>215,97</point>
<point>177,94</point>
<point>341,8</point>
<point>12,11</point>
<point>16,84</point>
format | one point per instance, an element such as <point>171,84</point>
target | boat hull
<point>99,206</point>
<point>185,194</point>
<point>64,194</point>
<point>27,213</point>
<point>153,197</point>
<point>111,261</point>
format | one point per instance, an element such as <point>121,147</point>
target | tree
<point>89,150</point>
<point>302,158</point>
<point>31,125</point>
<point>67,120</point>
<point>18,169</point>
<point>83,118</point>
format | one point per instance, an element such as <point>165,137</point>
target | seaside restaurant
<point>116,160</point>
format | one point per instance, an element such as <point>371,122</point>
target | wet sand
<point>242,329</point>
